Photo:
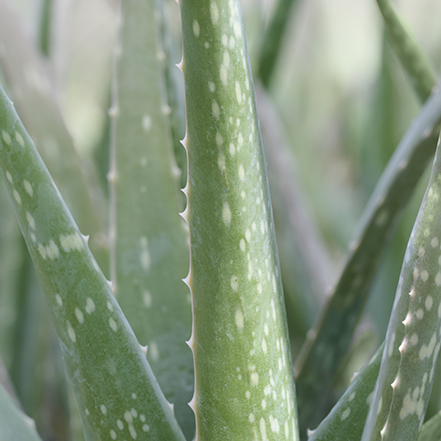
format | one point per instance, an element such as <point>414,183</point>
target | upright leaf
<point>244,386</point>
<point>347,418</point>
<point>14,424</point>
<point>321,355</point>
<point>413,338</point>
<point>149,249</point>
<point>34,97</point>
<point>272,40</point>
<point>413,59</point>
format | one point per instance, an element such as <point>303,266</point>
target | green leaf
<point>272,40</point>
<point>149,248</point>
<point>413,336</point>
<point>321,356</point>
<point>304,262</point>
<point>431,430</point>
<point>14,424</point>
<point>244,384</point>
<point>113,383</point>
<point>413,59</point>
<point>35,99</point>
<point>347,418</point>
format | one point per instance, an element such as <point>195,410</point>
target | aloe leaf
<point>321,356</point>
<point>113,383</point>
<point>347,418</point>
<point>413,59</point>
<point>175,96</point>
<point>35,99</point>
<point>149,248</point>
<point>11,259</point>
<point>431,430</point>
<point>413,337</point>
<point>244,385</point>
<point>272,40</point>
<point>14,424</point>
<point>304,262</point>
<point>45,26</point>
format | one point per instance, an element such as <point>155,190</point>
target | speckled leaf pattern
<point>321,357</point>
<point>346,420</point>
<point>116,392</point>
<point>14,424</point>
<point>11,260</point>
<point>35,99</point>
<point>412,58</point>
<point>244,385</point>
<point>413,337</point>
<point>149,240</point>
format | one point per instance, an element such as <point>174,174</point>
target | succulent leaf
<point>114,385</point>
<point>320,357</point>
<point>272,40</point>
<point>149,240</point>
<point>431,429</point>
<point>35,99</point>
<point>243,378</point>
<point>413,59</point>
<point>347,418</point>
<point>305,264</point>
<point>14,424</point>
<point>413,337</point>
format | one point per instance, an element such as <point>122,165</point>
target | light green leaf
<point>244,384</point>
<point>149,249</point>
<point>321,356</point>
<point>347,418</point>
<point>413,336</point>
<point>113,383</point>
<point>412,58</point>
<point>14,424</point>
<point>35,99</point>
<point>431,430</point>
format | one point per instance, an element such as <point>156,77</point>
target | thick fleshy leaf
<point>431,430</point>
<point>347,418</point>
<point>149,240</point>
<point>35,99</point>
<point>244,384</point>
<point>412,58</point>
<point>113,383</point>
<point>320,358</point>
<point>14,424</point>
<point>413,338</point>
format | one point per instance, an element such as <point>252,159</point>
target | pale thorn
<point>86,238</point>
<point>184,141</point>
<point>180,65</point>
<point>184,214</point>
<point>190,342</point>
<point>192,403</point>
<point>113,111</point>
<point>407,320</point>
<point>171,406</point>
<point>144,349</point>
<point>30,422</point>
<point>186,280</point>
<point>403,345</point>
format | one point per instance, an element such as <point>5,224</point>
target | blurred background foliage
<point>341,103</point>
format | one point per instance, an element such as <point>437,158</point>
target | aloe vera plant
<point>210,277</point>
